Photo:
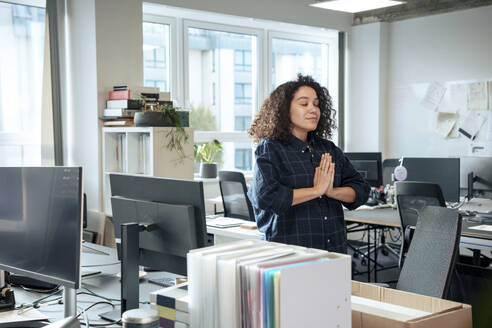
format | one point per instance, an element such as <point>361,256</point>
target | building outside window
<point>243,159</point>
<point>156,55</point>
<point>22,31</point>
<point>242,61</point>
<point>242,123</point>
<point>216,87</point>
<point>242,93</point>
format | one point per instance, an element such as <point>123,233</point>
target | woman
<point>302,179</point>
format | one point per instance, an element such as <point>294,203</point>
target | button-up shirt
<point>281,168</point>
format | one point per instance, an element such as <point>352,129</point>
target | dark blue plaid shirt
<point>282,167</point>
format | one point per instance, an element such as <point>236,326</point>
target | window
<point>215,86</point>
<point>242,93</point>
<point>290,57</point>
<point>156,55</point>
<point>242,123</point>
<point>22,31</point>
<point>227,72</point>
<point>243,159</point>
<point>242,61</point>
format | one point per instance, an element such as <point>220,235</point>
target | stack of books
<point>172,306</point>
<point>254,283</point>
<point>123,103</point>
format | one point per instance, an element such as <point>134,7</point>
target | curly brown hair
<point>273,119</point>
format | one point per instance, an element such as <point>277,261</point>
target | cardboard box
<point>442,313</point>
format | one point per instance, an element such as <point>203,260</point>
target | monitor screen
<point>369,166</point>
<point>177,209</point>
<point>443,171</point>
<point>41,222</point>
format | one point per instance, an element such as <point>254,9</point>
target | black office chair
<point>234,196</point>
<point>432,255</point>
<point>411,197</point>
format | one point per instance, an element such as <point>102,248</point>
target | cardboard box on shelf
<point>435,312</point>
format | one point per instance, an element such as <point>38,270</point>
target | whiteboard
<point>420,114</point>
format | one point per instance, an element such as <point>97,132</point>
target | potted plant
<point>157,114</point>
<point>208,153</point>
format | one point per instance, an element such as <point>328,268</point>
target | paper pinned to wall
<point>434,95</point>
<point>455,99</point>
<point>477,95</point>
<point>472,124</point>
<point>445,123</point>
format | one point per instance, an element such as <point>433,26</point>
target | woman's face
<point>304,112</point>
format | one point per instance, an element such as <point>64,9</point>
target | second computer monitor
<point>175,208</point>
<point>369,166</point>
<point>443,171</point>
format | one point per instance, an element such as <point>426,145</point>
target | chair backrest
<point>234,195</point>
<point>412,196</point>
<point>432,254</point>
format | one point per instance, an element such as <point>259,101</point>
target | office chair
<point>411,197</point>
<point>432,254</point>
<point>234,196</point>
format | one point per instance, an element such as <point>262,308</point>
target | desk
<point>387,217</point>
<point>225,235</point>
<point>106,284</point>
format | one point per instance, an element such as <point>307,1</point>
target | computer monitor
<point>369,166</point>
<point>443,171</point>
<point>173,212</point>
<point>476,176</point>
<point>41,223</point>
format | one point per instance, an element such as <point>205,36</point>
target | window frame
<point>191,23</point>
<point>173,63</point>
<point>264,32</point>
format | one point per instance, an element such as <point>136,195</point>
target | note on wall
<point>472,124</point>
<point>455,99</point>
<point>477,95</point>
<point>445,123</point>
<point>433,96</point>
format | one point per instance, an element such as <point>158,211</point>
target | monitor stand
<point>69,302</point>
<point>130,253</point>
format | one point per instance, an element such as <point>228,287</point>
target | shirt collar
<point>300,145</point>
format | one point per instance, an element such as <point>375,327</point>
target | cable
<point>100,296</point>
<point>94,304</point>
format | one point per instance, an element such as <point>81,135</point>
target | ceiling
<point>416,8</point>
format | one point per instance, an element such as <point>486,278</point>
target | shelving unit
<point>143,151</point>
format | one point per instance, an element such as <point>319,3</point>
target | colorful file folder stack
<point>258,284</point>
<point>172,305</point>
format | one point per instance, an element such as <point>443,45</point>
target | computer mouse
<point>372,202</point>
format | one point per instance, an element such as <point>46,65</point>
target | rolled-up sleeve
<point>266,191</point>
<point>352,178</point>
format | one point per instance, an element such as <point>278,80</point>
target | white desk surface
<point>236,232</point>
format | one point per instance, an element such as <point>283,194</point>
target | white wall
<point>81,121</point>
<point>365,118</point>
<point>447,47</point>
<point>288,11</point>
